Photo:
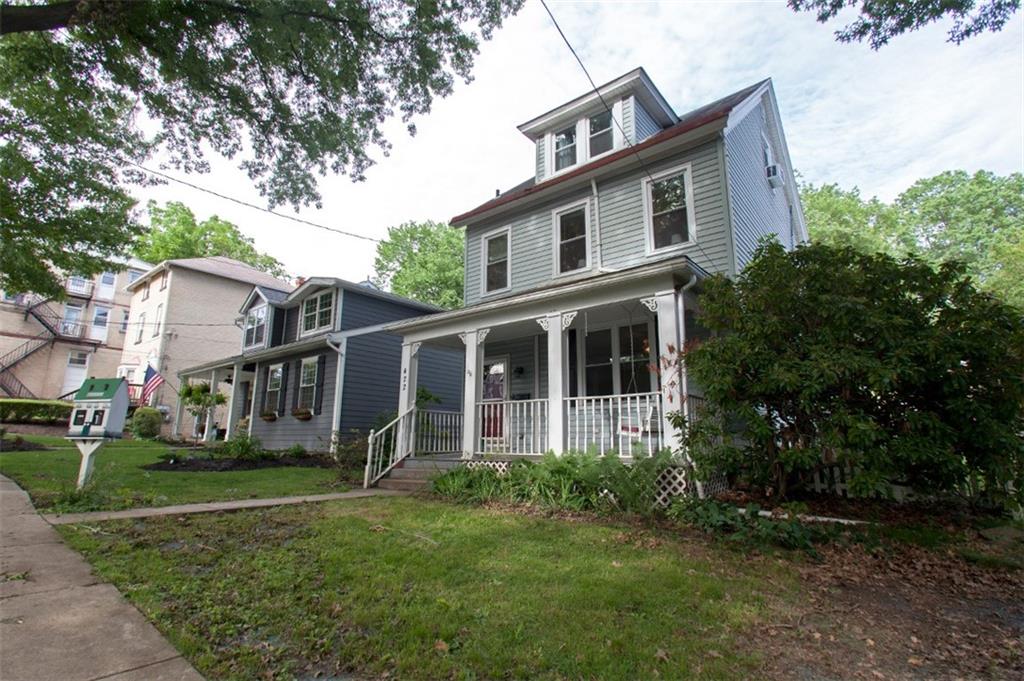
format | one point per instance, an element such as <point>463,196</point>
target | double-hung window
<point>617,360</point>
<point>668,201</point>
<point>274,382</point>
<point>496,261</point>
<point>145,291</point>
<point>141,321</point>
<point>318,312</point>
<point>601,136</point>
<point>307,383</point>
<point>159,319</point>
<point>256,326</point>
<point>572,239</point>
<point>565,148</point>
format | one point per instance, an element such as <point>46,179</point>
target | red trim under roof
<point>691,121</point>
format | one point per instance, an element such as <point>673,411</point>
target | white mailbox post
<point>101,407</point>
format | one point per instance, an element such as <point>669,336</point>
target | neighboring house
<point>49,347</point>
<point>298,352</point>
<point>584,278</point>
<point>183,313</point>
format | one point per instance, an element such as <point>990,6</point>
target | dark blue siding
<point>372,367</point>
<point>358,310</point>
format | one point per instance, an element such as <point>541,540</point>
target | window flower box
<point>269,416</point>
<point>302,414</point>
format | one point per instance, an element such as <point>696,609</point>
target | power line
<point>252,205</point>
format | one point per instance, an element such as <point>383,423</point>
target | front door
<point>71,324</point>
<point>76,371</point>
<point>100,322</point>
<point>105,291</point>
<point>494,392</point>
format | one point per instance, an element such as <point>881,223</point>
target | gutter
<point>597,224</point>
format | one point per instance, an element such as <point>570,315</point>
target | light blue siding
<point>645,125</point>
<point>757,209</point>
<point>315,434</point>
<point>629,119</point>
<point>541,161</point>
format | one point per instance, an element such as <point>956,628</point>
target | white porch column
<point>555,324</point>
<point>471,387</point>
<point>210,434</point>
<point>410,371</point>
<point>179,408</point>
<point>670,336</point>
<point>236,377</point>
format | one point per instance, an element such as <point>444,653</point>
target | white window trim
<point>492,359</point>
<point>245,326</point>
<point>266,388</point>
<point>315,361</point>
<point>141,321</point>
<point>583,142</point>
<point>159,321</point>
<point>302,313</point>
<point>556,237</point>
<point>581,355</point>
<point>484,238</point>
<point>687,169</point>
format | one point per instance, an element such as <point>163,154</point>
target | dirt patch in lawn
<point>899,613</point>
<point>187,464</point>
<point>20,444</point>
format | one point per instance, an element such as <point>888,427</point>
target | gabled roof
<point>218,266</point>
<point>269,295</point>
<point>98,389</point>
<point>715,111</point>
<point>331,282</point>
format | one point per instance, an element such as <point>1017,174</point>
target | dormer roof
<point>296,296</point>
<point>636,83</point>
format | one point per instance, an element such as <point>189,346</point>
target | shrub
<point>34,411</point>
<point>146,423</point>
<point>244,446</point>
<point>296,451</point>
<point>745,526</point>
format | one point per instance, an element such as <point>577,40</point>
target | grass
<point>425,590</point>
<point>119,481</point>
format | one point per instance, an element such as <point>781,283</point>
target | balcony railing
<point>78,286</point>
<point>512,427</point>
<point>626,424</point>
<point>438,432</point>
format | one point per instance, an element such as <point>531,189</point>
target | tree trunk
<point>26,18</point>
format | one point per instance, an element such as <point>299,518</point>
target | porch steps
<point>416,473</point>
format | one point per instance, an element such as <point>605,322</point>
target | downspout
<point>683,382</point>
<point>597,224</point>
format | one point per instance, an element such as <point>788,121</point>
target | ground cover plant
<point>121,480</point>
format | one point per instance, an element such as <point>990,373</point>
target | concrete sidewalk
<point>58,621</point>
<point>208,507</point>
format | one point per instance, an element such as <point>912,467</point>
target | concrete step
<point>415,473</point>
<point>431,463</point>
<point>403,485</point>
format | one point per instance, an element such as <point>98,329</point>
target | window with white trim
<point>307,383</point>
<point>318,312</point>
<point>274,381</point>
<point>163,280</point>
<point>134,274</point>
<point>669,213</point>
<point>78,358</point>
<point>124,321</point>
<point>572,240</point>
<point>769,155</point>
<point>159,320</point>
<point>142,324</point>
<point>602,138</point>
<point>256,326</point>
<point>584,139</point>
<point>565,148</point>
<point>496,262</point>
<point>145,291</point>
<point>618,360</point>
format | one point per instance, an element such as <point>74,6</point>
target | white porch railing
<point>389,445</point>
<point>512,427</point>
<point>626,424</point>
<point>438,432</point>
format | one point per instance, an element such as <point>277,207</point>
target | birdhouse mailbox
<point>101,406</point>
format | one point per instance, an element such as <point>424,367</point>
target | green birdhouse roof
<point>98,389</point>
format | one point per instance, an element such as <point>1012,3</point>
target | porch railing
<point>512,427</point>
<point>389,445</point>
<point>626,424</point>
<point>438,432</point>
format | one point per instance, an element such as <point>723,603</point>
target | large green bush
<point>146,423</point>
<point>34,411</point>
<point>823,356</point>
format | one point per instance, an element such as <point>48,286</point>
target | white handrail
<point>512,427</point>
<point>389,445</point>
<point>438,432</point>
<point>620,423</point>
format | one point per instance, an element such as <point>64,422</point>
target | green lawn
<point>427,590</point>
<point>120,482</point>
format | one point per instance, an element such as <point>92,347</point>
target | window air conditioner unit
<point>774,175</point>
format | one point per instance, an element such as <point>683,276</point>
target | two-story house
<point>315,365</point>
<point>183,313</point>
<point>48,347</point>
<point>581,283</point>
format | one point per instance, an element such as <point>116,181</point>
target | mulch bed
<point>18,444</point>
<point>198,464</point>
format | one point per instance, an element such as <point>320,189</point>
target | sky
<point>877,120</point>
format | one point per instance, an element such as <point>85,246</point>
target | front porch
<point>599,374</point>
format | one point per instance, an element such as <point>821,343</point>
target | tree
<point>294,89</point>
<point>422,261</point>
<point>880,21</point>
<point>199,400</point>
<point>839,217</point>
<point>175,233</point>
<point>904,372</point>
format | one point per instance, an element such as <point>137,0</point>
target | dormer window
<point>565,148</point>
<point>256,326</point>
<point>601,136</point>
<point>318,312</point>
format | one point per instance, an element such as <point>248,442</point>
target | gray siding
<point>372,369</point>
<point>629,119</point>
<point>541,164</point>
<point>757,210</point>
<point>622,225</point>
<point>440,372</point>
<point>315,434</point>
<point>645,125</point>
<point>291,325</point>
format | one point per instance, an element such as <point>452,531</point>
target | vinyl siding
<point>757,210</point>
<point>291,325</point>
<point>622,225</point>
<point>629,119</point>
<point>541,161</point>
<point>315,434</point>
<point>358,310</point>
<point>520,354</point>
<point>645,126</point>
<point>440,372</point>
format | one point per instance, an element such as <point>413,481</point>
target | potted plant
<point>302,414</point>
<point>269,416</point>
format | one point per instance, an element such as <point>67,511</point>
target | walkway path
<point>238,505</point>
<point>58,621</point>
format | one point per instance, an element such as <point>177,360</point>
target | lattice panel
<point>715,485</point>
<point>671,483</point>
<point>500,467</point>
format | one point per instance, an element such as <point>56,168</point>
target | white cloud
<point>878,120</point>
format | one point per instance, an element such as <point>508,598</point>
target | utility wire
<point>252,205</point>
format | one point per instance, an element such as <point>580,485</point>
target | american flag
<point>151,383</point>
